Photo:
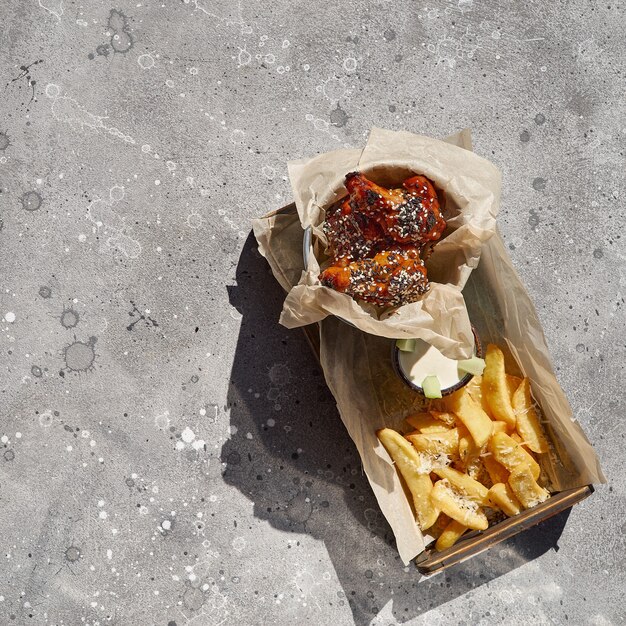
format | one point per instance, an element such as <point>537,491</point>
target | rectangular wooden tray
<point>431,561</point>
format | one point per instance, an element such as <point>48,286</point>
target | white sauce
<point>425,361</point>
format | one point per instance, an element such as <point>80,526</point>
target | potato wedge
<point>512,383</point>
<point>472,416</point>
<point>475,469</point>
<point>494,386</point>
<point>450,535</point>
<point>497,472</point>
<point>525,487</point>
<point>502,497</point>
<point>446,442</point>
<point>474,388</point>
<point>440,525</point>
<point>528,425</point>
<point>426,423</point>
<point>467,447</point>
<point>446,417</point>
<point>407,461</point>
<point>459,508</point>
<point>510,454</point>
<point>500,427</point>
<point>464,484</point>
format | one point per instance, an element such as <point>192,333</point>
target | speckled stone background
<point>169,454</point>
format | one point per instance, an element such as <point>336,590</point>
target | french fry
<point>516,437</point>
<point>512,383</point>
<point>426,423</point>
<point>472,416</point>
<point>464,484</point>
<point>446,442</point>
<point>497,472</point>
<point>407,461</point>
<point>528,425</point>
<point>475,469</point>
<point>467,447</point>
<point>450,535</point>
<point>525,487</point>
<point>500,427</point>
<point>446,417</point>
<point>474,388</point>
<point>463,510</point>
<point>502,496</point>
<point>510,454</point>
<point>440,525</point>
<point>494,386</point>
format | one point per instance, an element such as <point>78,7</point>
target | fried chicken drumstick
<point>378,237</point>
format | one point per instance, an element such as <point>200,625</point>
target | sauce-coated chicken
<point>377,238</point>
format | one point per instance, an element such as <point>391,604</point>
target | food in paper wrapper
<point>356,371</point>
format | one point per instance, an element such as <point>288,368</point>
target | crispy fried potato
<point>528,425</point>
<point>472,416</point>
<point>497,472</point>
<point>440,525</point>
<point>494,386</point>
<point>464,484</point>
<point>525,487</point>
<point>474,388</point>
<point>407,461</point>
<point>475,469</point>
<point>500,427</point>
<point>450,535</point>
<point>459,508</point>
<point>516,437</point>
<point>510,454</point>
<point>446,417</point>
<point>512,383</point>
<point>502,497</point>
<point>426,423</point>
<point>467,447</point>
<point>446,442</point>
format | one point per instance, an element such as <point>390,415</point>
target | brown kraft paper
<point>471,192</point>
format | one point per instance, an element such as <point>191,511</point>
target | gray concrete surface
<point>169,454</point>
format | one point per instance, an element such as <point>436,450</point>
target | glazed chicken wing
<point>378,237</point>
<point>391,277</point>
<point>372,218</point>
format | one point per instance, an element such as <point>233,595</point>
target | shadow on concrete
<point>303,473</point>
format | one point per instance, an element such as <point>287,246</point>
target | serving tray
<point>432,561</point>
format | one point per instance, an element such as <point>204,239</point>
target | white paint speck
<point>9,316</point>
<point>103,515</point>
<point>188,435</point>
<point>166,524</point>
